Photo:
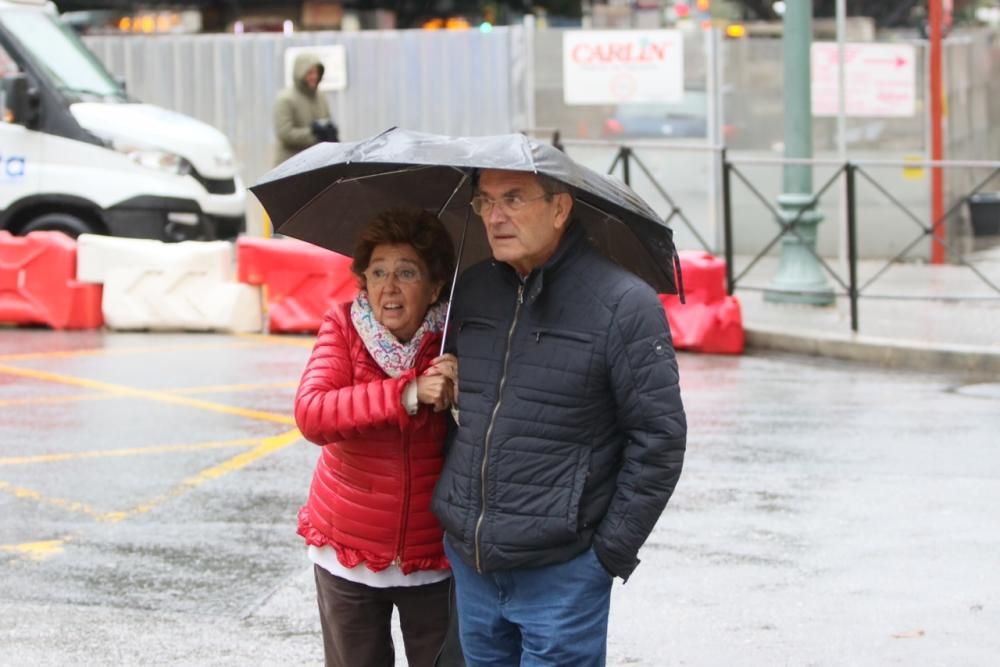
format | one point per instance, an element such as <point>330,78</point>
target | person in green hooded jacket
<point>301,112</point>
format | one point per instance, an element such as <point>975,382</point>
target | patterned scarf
<point>393,357</point>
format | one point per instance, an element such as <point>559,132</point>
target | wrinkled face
<point>400,289</point>
<point>312,77</point>
<point>523,225</point>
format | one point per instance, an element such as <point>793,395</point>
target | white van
<point>77,155</point>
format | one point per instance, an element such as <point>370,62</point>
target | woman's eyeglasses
<point>508,203</point>
<point>405,275</point>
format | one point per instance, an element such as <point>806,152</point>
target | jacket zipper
<point>406,500</point>
<point>493,417</point>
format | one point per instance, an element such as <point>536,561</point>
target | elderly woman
<point>373,399</point>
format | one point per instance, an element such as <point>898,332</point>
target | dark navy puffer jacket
<point>572,430</point>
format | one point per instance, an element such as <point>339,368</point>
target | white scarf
<point>392,356</point>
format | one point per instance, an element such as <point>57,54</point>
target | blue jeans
<point>552,615</point>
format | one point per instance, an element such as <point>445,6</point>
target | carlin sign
<point>622,66</point>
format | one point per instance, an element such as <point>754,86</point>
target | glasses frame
<point>485,205</point>
<point>373,280</point>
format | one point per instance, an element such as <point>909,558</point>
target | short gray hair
<point>552,186</point>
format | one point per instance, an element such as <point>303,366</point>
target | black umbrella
<point>325,195</point>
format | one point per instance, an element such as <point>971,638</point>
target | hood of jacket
<point>303,63</point>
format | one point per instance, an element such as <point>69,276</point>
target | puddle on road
<point>979,390</point>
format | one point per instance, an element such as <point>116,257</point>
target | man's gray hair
<point>552,186</point>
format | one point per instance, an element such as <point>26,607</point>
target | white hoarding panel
<point>880,79</point>
<point>622,66</point>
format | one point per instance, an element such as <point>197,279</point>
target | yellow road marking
<point>35,550</point>
<point>267,447</point>
<point>125,351</point>
<point>42,400</point>
<point>232,388</point>
<point>159,396</point>
<point>73,398</point>
<point>132,451</point>
<point>68,505</point>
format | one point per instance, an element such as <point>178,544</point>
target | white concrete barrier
<point>97,255</point>
<point>179,299</point>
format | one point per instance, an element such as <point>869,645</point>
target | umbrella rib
<point>465,177</point>
<point>620,222</point>
<point>458,259</point>
<point>599,210</point>
<point>454,280</point>
<point>341,181</point>
<point>393,173</point>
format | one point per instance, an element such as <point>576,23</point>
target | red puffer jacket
<point>371,492</point>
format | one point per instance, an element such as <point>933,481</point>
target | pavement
<point>829,513</point>
<point>912,315</point>
<point>820,520</point>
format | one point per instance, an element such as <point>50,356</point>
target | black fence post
<point>852,243</point>
<point>727,223</point>
<point>626,154</point>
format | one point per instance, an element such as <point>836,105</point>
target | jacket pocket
<point>476,346</point>
<point>555,367</point>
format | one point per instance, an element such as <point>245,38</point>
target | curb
<point>885,352</point>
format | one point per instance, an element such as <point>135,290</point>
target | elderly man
<point>571,431</point>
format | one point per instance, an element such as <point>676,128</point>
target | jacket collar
<point>569,246</point>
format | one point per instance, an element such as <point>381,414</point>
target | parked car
<point>685,119</point>
<point>78,155</point>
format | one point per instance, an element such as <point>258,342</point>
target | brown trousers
<point>357,619</point>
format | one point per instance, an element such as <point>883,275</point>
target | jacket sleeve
<point>646,390</point>
<point>289,135</point>
<point>329,406</point>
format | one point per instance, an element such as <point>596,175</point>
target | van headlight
<point>155,158</point>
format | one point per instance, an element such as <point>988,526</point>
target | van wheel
<point>67,223</point>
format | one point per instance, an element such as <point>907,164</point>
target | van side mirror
<point>21,100</point>
<point>120,80</point>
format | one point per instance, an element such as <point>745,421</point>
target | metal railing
<point>627,164</point>
<point>850,172</point>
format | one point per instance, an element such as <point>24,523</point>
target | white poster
<point>620,66</point>
<point>880,79</point>
<point>334,59</point>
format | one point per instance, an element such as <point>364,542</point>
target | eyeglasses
<point>508,203</point>
<point>405,275</point>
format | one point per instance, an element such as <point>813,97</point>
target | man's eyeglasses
<point>508,203</point>
<point>405,275</point>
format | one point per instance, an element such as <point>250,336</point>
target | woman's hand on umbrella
<point>446,367</point>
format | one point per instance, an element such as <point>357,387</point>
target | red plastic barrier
<point>301,280</point>
<point>38,283</point>
<point>710,321</point>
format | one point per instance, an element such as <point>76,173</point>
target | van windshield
<point>56,48</point>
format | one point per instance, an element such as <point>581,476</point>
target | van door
<point>20,151</point>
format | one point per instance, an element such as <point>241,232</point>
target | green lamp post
<point>800,277</point>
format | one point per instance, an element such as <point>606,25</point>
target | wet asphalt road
<point>829,514</point>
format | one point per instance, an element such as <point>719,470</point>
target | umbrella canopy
<point>325,195</point>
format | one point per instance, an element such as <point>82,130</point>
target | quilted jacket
<point>572,432</point>
<point>371,491</point>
